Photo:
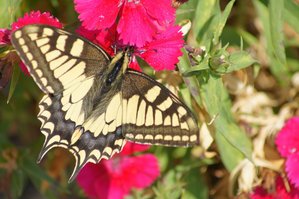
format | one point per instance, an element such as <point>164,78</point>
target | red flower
<point>280,192</point>
<point>114,178</point>
<point>287,139</point>
<point>138,21</point>
<point>287,142</point>
<point>4,36</point>
<point>36,17</point>
<point>163,52</point>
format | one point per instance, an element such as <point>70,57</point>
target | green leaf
<point>239,60</point>
<point>8,11</point>
<point>196,188</point>
<point>218,105</point>
<point>191,82</point>
<point>276,28</point>
<point>14,80</point>
<point>186,11</point>
<point>272,22</point>
<point>202,22</point>
<point>291,14</point>
<point>17,183</point>
<point>230,155</point>
<point>170,186</point>
<point>35,173</point>
<point>222,17</point>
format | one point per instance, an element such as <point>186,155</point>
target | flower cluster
<point>115,178</point>
<point>287,142</point>
<point>34,17</point>
<point>141,24</point>
<point>280,191</point>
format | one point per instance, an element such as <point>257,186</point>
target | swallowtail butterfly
<point>94,103</point>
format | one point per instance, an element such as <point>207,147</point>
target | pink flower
<point>36,17</point>
<point>163,52</point>
<point>114,178</point>
<point>4,36</point>
<point>287,142</point>
<point>138,21</point>
<point>91,35</point>
<point>280,192</point>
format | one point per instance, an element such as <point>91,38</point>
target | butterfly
<point>94,103</point>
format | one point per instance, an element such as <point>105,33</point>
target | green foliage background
<point>229,34</point>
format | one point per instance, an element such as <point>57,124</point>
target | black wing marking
<point>153,115</point>
<point>57,59</point>
<point>76,137</point>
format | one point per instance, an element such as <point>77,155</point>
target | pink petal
<point>287,139</point>
<point>164,13</point>
<point>134,64</point>
<point>89,178</point>
<point>114,190</point>
<point>260,193</point>
<point>107,39</point>
<point>163,52</point>
<point>279,192</point>
<point>149,173</point>
<point>4,36</point>
<point>283,192</point>
<point>116,177</point>
<point>126,171</point>
<point>131,148</point>
<point>91,35</point>
<point>24,68</point>
<point>135,27</point>
<point>36,17</point>
<point>292,168</point>
<point>97,14</point>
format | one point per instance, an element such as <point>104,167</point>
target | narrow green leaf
<point>35,173</point>
<point>272,27</point>
<point>291,14</point>
<point>276,28</point>
<point>8,11</point>
<point>239,60</point>
<point>186,11</point>
<point>230,155</point>
<point>218,105</point>
<point>196,188</point>
<point>17,183</point>
<point>247,37</point>
<point>202,21</point>
<point>191,82</point>
<point>14,80</point>
<point>222,17</point>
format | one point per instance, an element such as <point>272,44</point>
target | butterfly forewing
<point>71,71</point>
<point>57,59</point>
<point>153,115</point>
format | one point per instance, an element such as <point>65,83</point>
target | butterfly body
<point>93,103</point>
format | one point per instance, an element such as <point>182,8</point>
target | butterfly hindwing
<point>153,115</point>
<point>57,59</point>
<point>79,137</point>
